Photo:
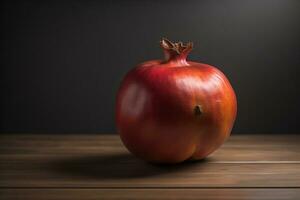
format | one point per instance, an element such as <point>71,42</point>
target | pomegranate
<point>172,110</point>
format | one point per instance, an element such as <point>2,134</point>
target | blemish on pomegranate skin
<point>198,110</point>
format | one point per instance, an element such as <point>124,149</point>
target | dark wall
<point>62,62</point>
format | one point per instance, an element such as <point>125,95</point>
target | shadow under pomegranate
<point>116,166</point>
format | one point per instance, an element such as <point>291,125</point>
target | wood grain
<point>261,166</point>
<point>138,194</point>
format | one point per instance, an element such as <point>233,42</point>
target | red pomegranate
<point>172,110</point>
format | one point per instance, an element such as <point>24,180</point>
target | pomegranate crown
<point>175,50</point>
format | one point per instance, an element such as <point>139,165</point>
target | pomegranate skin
<point>175,110</point>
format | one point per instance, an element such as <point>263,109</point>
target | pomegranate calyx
<point>175,50</point>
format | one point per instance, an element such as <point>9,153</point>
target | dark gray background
<point>62,62</point>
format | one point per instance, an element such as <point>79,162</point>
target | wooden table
<point>99,167</point>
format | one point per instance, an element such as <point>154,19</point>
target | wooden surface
<point>99,167</point>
